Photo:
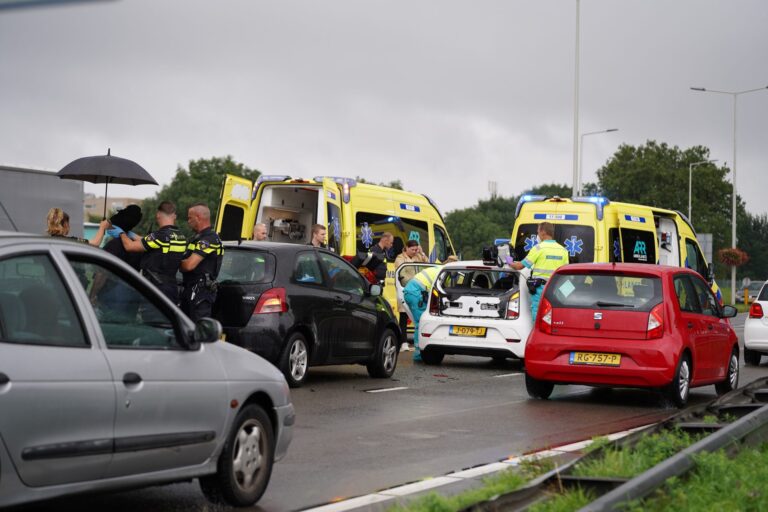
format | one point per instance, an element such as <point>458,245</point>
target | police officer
<point>381,251</point>
<point>543,259</point>
<point>416,295</point>
<point>201,264</point>
<point>163,250</point>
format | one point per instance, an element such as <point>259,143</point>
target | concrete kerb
<point>456,482</point>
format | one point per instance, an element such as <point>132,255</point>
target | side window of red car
<point>707,301</point>
<point>686,294</point>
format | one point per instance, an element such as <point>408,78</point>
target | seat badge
<point>598,316</point>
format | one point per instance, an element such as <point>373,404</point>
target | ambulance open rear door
<point>637,235</point>
<point>333,224</point>
<point>235,218</point>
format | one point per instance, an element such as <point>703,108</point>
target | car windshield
<point>755,286</point>
<point>246,266</point>
<point>603,291</point>
<point>473,281</point>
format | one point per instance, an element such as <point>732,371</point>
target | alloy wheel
<point>247,455</point>
<point>733,371</point>
<point>389,353</point>
<point>685,379</point>
<point>298,360</point>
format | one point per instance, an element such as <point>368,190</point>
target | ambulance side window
<point>638,246</point>
<point>693,259</point>
<point>334,228</point>
<point>370,227</point>
<point>442,247</point>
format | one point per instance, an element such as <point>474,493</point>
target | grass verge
<point>500,483</point>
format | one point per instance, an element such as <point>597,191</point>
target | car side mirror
<point>711,273</point>
<point>374,290</point>
<point>729,312</point>
<point>207,330</point>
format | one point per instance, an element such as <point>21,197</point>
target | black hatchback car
<point>299,306</point>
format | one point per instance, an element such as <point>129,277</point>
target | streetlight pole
<point>690,181</point>
<point>577,184</point>
<point>576,107</point>
<point>734,95</point>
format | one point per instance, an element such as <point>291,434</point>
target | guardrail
<point>742,420</point>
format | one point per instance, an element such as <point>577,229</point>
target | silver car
<point>104,384</point>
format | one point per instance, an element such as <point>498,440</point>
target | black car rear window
<point>247,266</point>
<point>603,291</point>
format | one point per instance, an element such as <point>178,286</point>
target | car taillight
<point>755,310</point>
<point>271,301</point>
<point>513,307</point>
<point>545,316</point>
<point>655,322</point>
<point>434,303</point>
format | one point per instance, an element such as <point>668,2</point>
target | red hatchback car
<point>631,325</point>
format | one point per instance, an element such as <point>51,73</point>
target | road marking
<point>510,375</point>
<point>404,490</point>
<point>384,390</point>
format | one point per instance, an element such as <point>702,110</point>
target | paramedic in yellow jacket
<point>543,259</point>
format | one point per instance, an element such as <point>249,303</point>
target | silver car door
<point>57,396</point>
<point>171,402</point>
<point>403,274</point>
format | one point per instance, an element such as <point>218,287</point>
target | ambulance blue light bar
<point>272,177</point>
<point>598,201</point>
<point>501,241</point>
<point>527,198</point>
<point>339,180</point>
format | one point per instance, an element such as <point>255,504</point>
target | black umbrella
<point>106,169</point>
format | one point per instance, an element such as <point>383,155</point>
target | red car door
<point>717,333</point>
<point>693,326</point>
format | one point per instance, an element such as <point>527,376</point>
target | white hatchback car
<point>756,329</point>
<point>106,385</point>
<point>478,310</point>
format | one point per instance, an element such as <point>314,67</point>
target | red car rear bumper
<point>644,363</point>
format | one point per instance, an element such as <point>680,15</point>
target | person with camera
<point>543,259</point>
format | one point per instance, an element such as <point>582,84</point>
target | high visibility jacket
<point>426,277</point>
<point>545,257</point>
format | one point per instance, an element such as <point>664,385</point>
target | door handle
<point>4,379</point>
<point>338,300</point>
<point>690,325</point>
<point>710,326</point>
<point>131,378</point>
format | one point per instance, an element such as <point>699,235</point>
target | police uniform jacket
<point>165,249</point>
<point>208,245</point>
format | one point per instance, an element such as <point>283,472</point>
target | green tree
<point>200,183</point>
<point>657,175</point>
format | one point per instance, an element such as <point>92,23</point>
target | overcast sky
<point>443,95</point>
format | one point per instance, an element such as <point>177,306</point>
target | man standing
<point>318,236</point>
<point>201,264</point>
<point>381,251</point>
<point>163,248</point>
<point>543,259</point>
<point>259,232</point>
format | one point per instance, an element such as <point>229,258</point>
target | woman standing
<point>58,226</point>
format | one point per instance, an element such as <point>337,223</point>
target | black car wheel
<point>431,357</point>
<point>731,381</point>
<point>677,391</point>
<point>752,357</point>
<point>536,388</point>
<point>294,361</point>
<point>245,463</point>
<point>385,359</point>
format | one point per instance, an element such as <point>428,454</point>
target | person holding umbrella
<point>201,264</point>
<point>163,250</point>
<point>58,226</point>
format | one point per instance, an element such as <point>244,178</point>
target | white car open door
<point>405,273</point>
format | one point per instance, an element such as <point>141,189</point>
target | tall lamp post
<point>690,181</point>
<point>577,187</point>
<point>735,95</point>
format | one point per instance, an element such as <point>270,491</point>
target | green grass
<point>717,483</point>
<point>574,499</point>
<point>621,462</point>
<point>501,483</point>
<point>725,289</point>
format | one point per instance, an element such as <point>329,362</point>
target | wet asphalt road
<point>469,411</point>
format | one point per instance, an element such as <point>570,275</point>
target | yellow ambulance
<point>595,229</point>
<point>355,215</point>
